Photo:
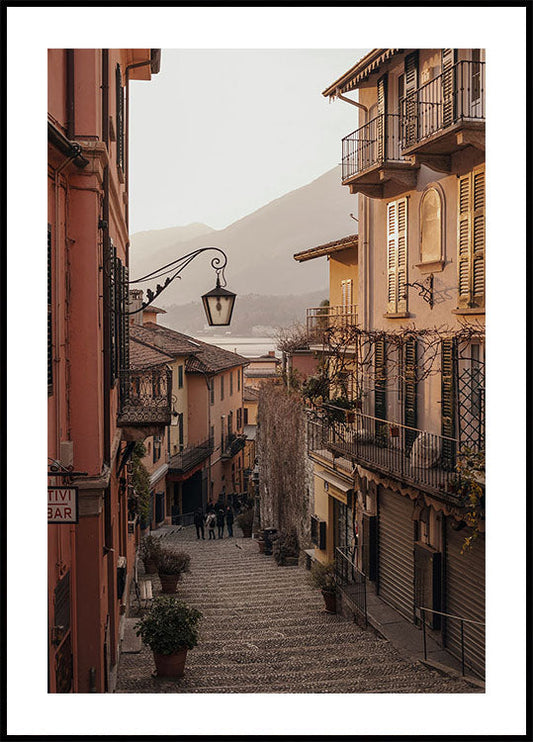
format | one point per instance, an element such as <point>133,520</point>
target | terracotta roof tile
<point>206,358</point>
<point>143,356</point>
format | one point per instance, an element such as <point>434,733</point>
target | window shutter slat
<point>478,238</point>
<point>448,406</point>
<point>411,102</point>
<point>402,256</point>
<point>448,86</point>
<point>382,118</point>
<point>380,371</point>
<point>392,255</point>
<point>410,388</point>
<point>464,241</point>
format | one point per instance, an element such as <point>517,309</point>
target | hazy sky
<point>219,133</point>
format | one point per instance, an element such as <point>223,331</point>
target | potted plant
<point>150,550</point>
<point>245,522</point>
<point>170,567</point>
<point>287,549</point>
<point>170,629</point>
<point>322,575</point>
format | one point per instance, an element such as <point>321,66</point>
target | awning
<point>335,486</point>
<point>156,476</point>
<point>360,71</point>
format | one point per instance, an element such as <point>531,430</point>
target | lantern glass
<point>218,305</point>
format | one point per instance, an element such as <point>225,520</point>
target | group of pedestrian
<point>218,516</point>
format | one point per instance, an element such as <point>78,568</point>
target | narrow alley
<point>265,630</point>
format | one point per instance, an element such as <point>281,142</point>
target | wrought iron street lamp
<point>218,303</point>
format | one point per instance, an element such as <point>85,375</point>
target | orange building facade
<point>91,419</point>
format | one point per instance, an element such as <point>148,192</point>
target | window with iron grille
<point>180,377</point>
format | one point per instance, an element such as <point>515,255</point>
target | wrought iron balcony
<point>190,457</point>
<point>445,114</point>
<point>372,155</point>
<point>425,460</point>
<point>322,319</point>
<point>233,445</point>
<point>145,397</point>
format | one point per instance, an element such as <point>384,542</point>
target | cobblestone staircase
<point>265,631</point>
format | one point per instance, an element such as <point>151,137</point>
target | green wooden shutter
<point>401,302</point>
<point>382,118</point>
<point>397,256</point>
<point>411,98</point>
<point>380,393</point>
<point>471,239</point>
<point>392,255</point>
<point>448,59</point>
<point>410,390</point>
<point>464,240</point>
<point>120,117</point>
<point>448,404</point>
<point>478,238</point>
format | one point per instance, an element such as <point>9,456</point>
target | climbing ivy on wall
<point>281,448</point>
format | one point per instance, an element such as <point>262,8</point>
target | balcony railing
<point>233,445</point>
<point>373,144</point>
<point>458,94</point>
<point>351,581</point>
<point>320,319</point>
<point>191,456</point>
<point>415,456</point>
<point>145,397</point>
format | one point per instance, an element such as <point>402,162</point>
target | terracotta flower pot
<point>169,583</point>
<point>170,665</point>
<point>330,599</point>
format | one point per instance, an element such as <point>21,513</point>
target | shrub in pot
<point>322,576</point>
<point>170,629</point>
<point>150,550</point>
<point>287,549</point>
<point>245,522</point>
<point>171,566</point>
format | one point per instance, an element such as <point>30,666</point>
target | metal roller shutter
<point>465,597</point>
<point>396,552</point>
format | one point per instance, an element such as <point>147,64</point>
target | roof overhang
<point>346,243</point>
<point>360,71</point>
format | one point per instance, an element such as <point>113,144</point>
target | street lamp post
<point>218,303</point>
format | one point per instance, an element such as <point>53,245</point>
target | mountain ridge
<point>259,246</point>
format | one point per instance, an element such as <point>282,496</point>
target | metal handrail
<point>448,615</point>
<point>355,578</point>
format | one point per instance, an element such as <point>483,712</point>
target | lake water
<point>250,347</point>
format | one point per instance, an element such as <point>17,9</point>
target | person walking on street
<point>210,507</point>
<point>229,520</point>
<point>210,520</point>
<point>220,522</point>
<point>199,522</point>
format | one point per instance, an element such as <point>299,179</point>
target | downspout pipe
<point>354,103</point>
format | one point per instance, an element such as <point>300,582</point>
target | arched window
<point>431,230</point>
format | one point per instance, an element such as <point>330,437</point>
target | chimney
<point>136,298</point>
